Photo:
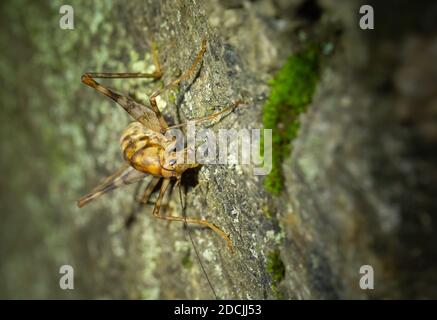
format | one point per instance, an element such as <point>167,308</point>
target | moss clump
<point>292,89</point>
<point>275,267</point>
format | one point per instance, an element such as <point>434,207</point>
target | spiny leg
<point>208,117</point>
<point>144,199</point>
<point>185,75</point>
<point>164,187</point>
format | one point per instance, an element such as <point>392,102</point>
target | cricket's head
<point>177,163</point>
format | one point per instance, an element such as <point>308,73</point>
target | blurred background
<point>357,187</point>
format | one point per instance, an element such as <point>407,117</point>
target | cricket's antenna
<point>192,242</point>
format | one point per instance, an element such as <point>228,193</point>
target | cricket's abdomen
<point>144,149</point>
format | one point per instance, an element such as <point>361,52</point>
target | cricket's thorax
<point>145,150</point>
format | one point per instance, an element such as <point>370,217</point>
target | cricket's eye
<point>172,162</point>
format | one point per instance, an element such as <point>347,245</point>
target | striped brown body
<point>148,151</point>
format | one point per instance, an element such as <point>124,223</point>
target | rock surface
<point>358,183</point>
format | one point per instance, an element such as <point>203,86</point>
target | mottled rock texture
<point>358,182</point>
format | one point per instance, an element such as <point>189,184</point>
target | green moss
<point>275,267</point>
<point>292,89</point>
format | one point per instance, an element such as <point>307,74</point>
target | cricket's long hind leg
<point>156,214</point>
<point>144,199</point>
<point>126,175</point>
<point>139,112</point>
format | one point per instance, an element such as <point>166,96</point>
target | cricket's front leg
<point>213,116</point>
<point>187,74</point>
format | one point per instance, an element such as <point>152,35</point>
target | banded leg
<point>150,118</point>
<point>164,187</point>
<point>187,74</point>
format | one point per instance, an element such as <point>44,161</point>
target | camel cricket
<point>144,143</point>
